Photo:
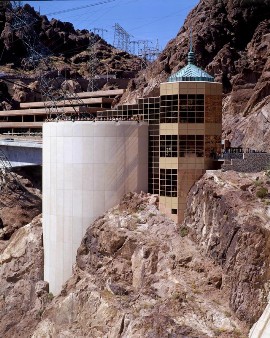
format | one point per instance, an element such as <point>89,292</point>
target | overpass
<point>20,152</point>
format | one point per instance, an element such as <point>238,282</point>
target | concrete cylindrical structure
<point>87,168</point>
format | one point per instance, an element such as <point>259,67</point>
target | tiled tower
<point>190,133</point>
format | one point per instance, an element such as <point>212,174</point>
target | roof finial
<point>190,40</point>
<point>191,55</point>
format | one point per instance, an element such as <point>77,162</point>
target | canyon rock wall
<point>135,276</point>
<point>228,216</point>
<point>23,293</point>
<point>138,274</point>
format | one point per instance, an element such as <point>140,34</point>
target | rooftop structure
<point>191,72</point>
<point>31,115</point>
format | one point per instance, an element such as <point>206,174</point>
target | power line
<point>50,89</point>
<point>76,8</point>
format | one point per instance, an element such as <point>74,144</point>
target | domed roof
<point>191,72</point>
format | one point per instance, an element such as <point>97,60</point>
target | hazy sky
<point>144,19</point>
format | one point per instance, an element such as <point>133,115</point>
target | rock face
<point>23,293</point>
<point>20,200</point>
<point>70,47</point>
<point>231,40</point>
<point>228,216</point>
<point>136,276</point>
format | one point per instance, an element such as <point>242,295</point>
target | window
<point>191,145</point>
<point>191,108</point>
<point>169,109</point>
<point>168,146</point>
<point>174,211</point>
<point>168,182</point>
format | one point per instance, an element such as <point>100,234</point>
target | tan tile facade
<point>190,136</point>
<point>184,132</point>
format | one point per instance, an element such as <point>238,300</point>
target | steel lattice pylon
<point>92,63</point>
<point>39,55</point>
<point>121,38</point>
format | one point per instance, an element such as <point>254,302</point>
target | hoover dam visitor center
<point>161,145</point>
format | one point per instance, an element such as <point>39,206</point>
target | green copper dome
<point>190,72</point>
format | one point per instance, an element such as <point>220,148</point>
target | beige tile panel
<point>213,129</point>
<point>175,204</point>
<point>168,162</point>
<point>171,200</point>
<point>168,128</point>
<point>182,161</point>
<point>181,216</point>
<point>216,89</point>
<point>163,89</point>
<point>191,87</point>
<point>191,128</point>
<point>174,217</point>
<point>162,199</point>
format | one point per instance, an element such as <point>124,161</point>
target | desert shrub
<point>184,231</point>
<point>262,192</point>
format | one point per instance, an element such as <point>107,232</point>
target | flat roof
<point>67,102</point>
<point>21,124</point>
<point>43,111</point>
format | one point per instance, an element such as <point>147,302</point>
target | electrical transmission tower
<point>92,63</point>
<point>133,49</point>
<point>100,30</point>
<point>121,38</point>
<point>50,87</point>
<point>147,53</point>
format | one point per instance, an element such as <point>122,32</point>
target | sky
<point>143,19</point>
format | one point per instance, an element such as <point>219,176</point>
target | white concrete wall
<point>261,329</point>
<point>87,168</point>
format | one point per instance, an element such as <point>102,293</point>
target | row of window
<point>168,182</point>
<point>184,145</point>
<point>182,117</point>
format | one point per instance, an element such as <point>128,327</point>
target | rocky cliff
<point>24,32</point>
<point>23,293</point>
<point>27,37</point>
<point>137,274</point>
<point>20,200</point>
<point>231,40</point>
<point>228,216</point>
